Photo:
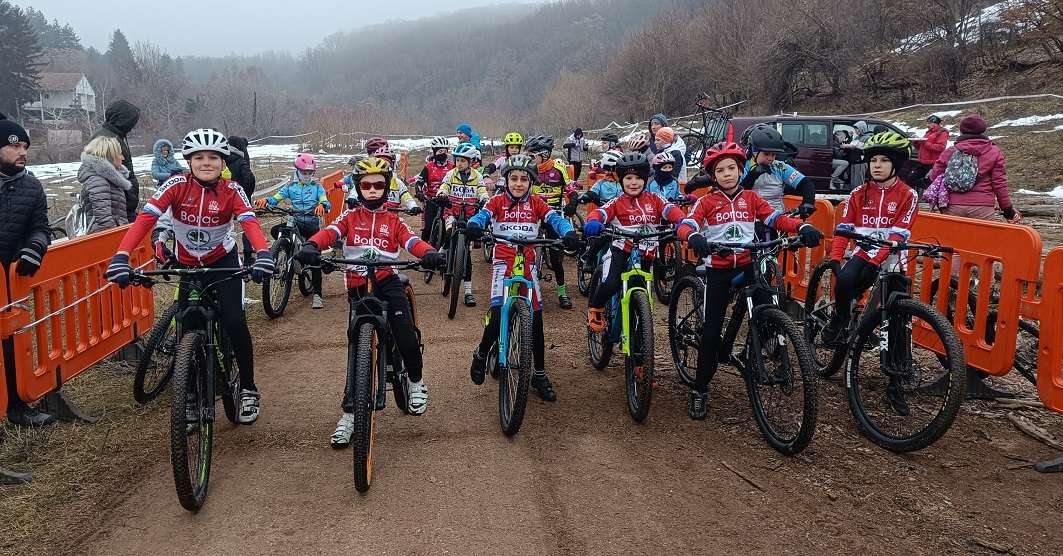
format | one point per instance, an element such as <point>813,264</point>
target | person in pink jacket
<point>991,185</point>
<point>930,148</point>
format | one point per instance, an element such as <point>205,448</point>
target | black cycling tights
<point>307,230</point>
<point>230,296</point>
<point>852,281</point>
<point>557,258</point>
<point>493,328</point>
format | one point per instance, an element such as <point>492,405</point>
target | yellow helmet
<point>513,138</point>
<point>372,165</point>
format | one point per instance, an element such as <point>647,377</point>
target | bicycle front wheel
<point>276,289</point>
<point>157,360</point>
<point>639,365</point>
<point>903,397</point>
<point>664,270</point>
<point>584,270</point>
<point>462,260</point>
<point>514,377</point>
<point>191,424</point>
<point>362,361</point>
<point>781,381</point>
<point>600,344</point>
<point>685,317</point>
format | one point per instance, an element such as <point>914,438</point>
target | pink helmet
<point>386,153</point>
<point>305,161</point>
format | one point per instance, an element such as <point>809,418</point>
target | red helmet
<point>374,144</point>
<point>722,150</point>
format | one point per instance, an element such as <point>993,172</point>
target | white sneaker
<point>318,302</point>
<point>341,437</point>
<point>418,403</point>
<point>249,406</point>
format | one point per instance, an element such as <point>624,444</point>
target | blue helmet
<point>466,150</point>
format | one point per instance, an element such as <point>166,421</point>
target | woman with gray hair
<point>104,184</point>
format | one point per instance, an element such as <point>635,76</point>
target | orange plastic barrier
<point>799,265</point>
<point>336,197</point>
<point>3,369</point>
<point>80,318</point>
<point>1050,356</point>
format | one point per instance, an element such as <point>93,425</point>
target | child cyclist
<point>306,195</point>
<point>435,169</point>
<point>664,182</point>
<point>517,212</point>
<point>771,178</point>
<point>554,187</point>
<point>369,231</point>
<point>463,184</point>
<point>886,207</point>
<point>513,142</point>
<point>635,208</point>
<point>398,194</point>
<point>204,206</point>
<point>727,213</point>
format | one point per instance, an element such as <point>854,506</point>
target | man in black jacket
<point>24,240</point>
<point>120,119</point>
<point>239,163</point>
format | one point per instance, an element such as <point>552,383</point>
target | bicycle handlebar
<point>282,210</point>
<point>787,242</point>
<point>401,265</point>
<point>617,232</point>
<point>525,242</point>
<point>143,277</point>
<point>892,244</point>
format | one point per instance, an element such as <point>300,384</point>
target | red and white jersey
<point>722,219</point>
<point>370,235</point>
<point>632,213</point>
<point>202,218</point>
<point>885,213</point>
<point>435,174</point>
<point>515,219</point>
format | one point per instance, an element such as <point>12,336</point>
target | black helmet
<point>633,162</point>
<point>521,162</point>
<point>610,138</point>
<point>767,140</point>
<point>744,139</point>
<point>934,119</point>
<point>538,144</point>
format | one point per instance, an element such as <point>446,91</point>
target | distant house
<point>62,98</point>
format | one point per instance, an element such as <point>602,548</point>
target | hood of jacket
<point>122,116</point>
<point>659,118</point>
<point>170,159</point>
<point>94,166</point>
<point>239,142</point>
<point>975,145</point>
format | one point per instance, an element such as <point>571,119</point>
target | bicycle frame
<point>512,290</point>
<point>628,287</point>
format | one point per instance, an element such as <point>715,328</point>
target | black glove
<point>474,231</point>
<point>806,210</point>
<point>1009,213</point>
<point>570,208</point>
<point>753,174</point>
<point>571,241</point>
<point>352,202</point>
<point>263,267</point>
<point>835,267</point>
<point>810,236</point>
<point>29,259</point>
<point>119,270</point>
<point>309,254</point>
<point>434,260</point>
<point>591,197</point>
<point>414,210</point>
<point>699,244</point>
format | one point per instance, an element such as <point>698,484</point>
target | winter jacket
<point>23,215</point>
<point>574,148</point>
<point>103,193</point>
<point>991,184</point>
<point>239,164</point>
<point>162,168</point>
<point>120,119</point>
<point>304,197</point>
<point>933,143</point>
<point>877,211</point>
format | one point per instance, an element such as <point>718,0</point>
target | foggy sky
<point>219,27</point>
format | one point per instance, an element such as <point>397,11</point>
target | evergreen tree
<point>54,34</point>
<point>120,58</point>
<point>65,37</point>
<point>19,58</point>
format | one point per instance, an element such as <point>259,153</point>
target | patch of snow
<point>1056,192</point>
<point>947,113</point>
<point>1027,121</point>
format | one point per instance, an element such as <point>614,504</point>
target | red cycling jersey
<point>885,213</point>
<point>632,213</point>
<point>432,176</point>
<point>723,219</point>
<point>202,219</point>
<point>370,235</point>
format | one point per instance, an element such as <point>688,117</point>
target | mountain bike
<point>373,359</point>
<point>287,242</point>
<point>155,366</point>
<point>459,261</point>
<point>669,262</point>
<point>906,377</point>
<point>775,361</point>
<point>435,230</point>
<point>510,359</point>
<point>204,367</point>
<point>629,321</point>
<point>713,128</point>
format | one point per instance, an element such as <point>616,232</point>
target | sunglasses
<point>372,186</point>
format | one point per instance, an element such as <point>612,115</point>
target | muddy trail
<point>580,477</point>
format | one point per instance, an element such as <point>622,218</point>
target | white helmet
<point>205,139</point>
<point>610,158</point>
<point>440,143</point>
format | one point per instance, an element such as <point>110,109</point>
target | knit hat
<point>666,134</point>
<point>972,125</point>
<point>465,128</point>
<point>11,133</point>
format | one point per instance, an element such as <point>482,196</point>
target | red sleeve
<point>999,180</point>
<point>144,223</point>
<point>839,244</point>
<point>605,213</point>
<point>332,233</point>
<point>409,240</point>
<point>539,208</point>
<point>696,216</point>
<point>246,216</point>
<point>762,210</point>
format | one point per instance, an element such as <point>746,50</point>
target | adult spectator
<point>930,149</point>
<point>575,146</point>
<point>839,157</point>
<point>164,164</point>
<point>103,184</point>
<point>239,164</point>
<point>119,120</point>
<point>24,239</point>
<point>467,135</point>
<point>991,182</point>
<point>858,170</point>
<point>666,140</point>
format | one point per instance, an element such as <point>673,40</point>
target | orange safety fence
<point>798,267</point>
<point>333,184</point>
<point>3,366</point>
<point>72,318</point>
<point>1050,347</point>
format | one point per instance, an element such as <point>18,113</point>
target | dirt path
<point>581,476</point>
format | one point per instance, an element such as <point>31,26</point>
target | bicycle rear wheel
<point>639,363</point>
<point>157,360</point>
<point>515,376</point>
<point>462,260</point>
<point>907,400</point>
<point>276,289</point>
<point>819,310</point>
<point>664,271</point>
<point>781,381</point>
<point>435,237</point>
<point>600,344</point>
<point>191,422</point>
<point>685,314</point>
<point>362,360</point>
<point>584,271</point>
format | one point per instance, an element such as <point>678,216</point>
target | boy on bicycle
<point>463,184</point>
<point>727,213</point>
<point>204,206</point>
<point>305,195</point>
<point>884,207</point>
<point>435,169</point>
<point>517,212</point>
<point>636,208</point>
<point>771,178</point>
<point>554,187</point>
<point>369,231</point>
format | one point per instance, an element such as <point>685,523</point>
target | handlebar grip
<point>848,234</point>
